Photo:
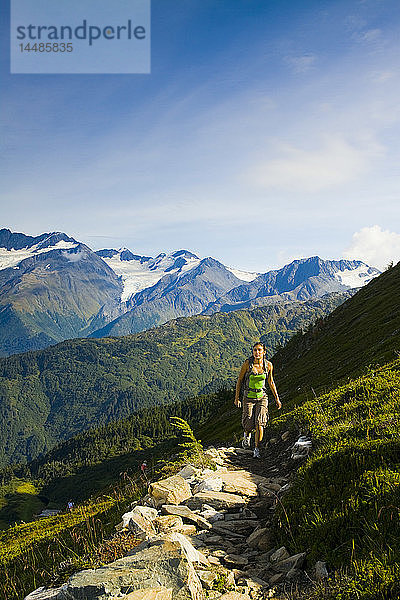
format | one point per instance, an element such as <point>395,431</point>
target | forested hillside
<point>50,395</point>
<point>92,460</point>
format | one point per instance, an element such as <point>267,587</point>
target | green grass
<point>345,505</point>
<point>19,501</point>
<point>223,426</point>
<point>33,554</point>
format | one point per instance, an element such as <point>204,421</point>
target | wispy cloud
<point>301,64</point>
<point>334,162</point>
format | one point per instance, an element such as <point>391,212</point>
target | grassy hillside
<point>344,506</point>
<point>98,469</point>
<point>49,550</point>
<point>19,501</point>
<point>50,395</point>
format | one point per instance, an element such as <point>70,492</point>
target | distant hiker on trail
<point>143,469</point>
<point>70,505</point>
<point>251,394</point>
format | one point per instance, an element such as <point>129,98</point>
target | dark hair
<point>260,344</point>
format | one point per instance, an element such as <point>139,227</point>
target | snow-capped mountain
<point>357,276</point>
<point>16,247</point>
<point>178,293</point>
<point>243,275</point>
<point>199,290</point>
<point>140,272</point>
<point>300,280</point>
<point>53,287</point>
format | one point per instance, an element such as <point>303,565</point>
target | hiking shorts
<point>255,412</point>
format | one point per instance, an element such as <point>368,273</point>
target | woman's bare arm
<point>242,373</point>
<point>272,385</point>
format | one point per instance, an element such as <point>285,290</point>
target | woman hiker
<point>251,392</point>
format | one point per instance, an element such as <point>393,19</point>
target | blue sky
<point>266,131</point>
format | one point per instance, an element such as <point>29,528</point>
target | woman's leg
<point>261,419</point>
<point>248,416</point>
<point>259,434</point>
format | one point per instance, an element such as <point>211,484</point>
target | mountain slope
<point>49,395</point>
<point>51,288</point>
<point>54,288</point>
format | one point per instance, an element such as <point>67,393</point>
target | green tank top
<point>256,383</point>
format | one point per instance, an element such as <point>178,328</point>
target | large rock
<point>145,511</point>
<point>163,562</point>
<point>279,555</point>
<point>188,472</point>
<point>242,526</point>
<point>255,537</point>
<point>236,560</point>
<point>139,521</point>
<point>173,490</point>
<point>166,523</point>
<point>185,512</point>
<point>240,482</point>
<point>218,500</point>
<point>210,484</point>
<point>210,514</point>
<point>140,526</point>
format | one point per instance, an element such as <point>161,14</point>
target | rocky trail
<point>206,534</point>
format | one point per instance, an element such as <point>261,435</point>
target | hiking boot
<point>246,440</point>
<point>256,453</point>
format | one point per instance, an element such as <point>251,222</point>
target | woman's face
<point>258,352</point>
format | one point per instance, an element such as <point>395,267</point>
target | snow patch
<point>74,256</point>
<point>11,258</point>
<point>243,275</point>
<point>357,277</point>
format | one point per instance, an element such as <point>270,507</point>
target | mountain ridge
<point>53,287</point>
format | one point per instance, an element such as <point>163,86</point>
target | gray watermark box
<point>80,36</point>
